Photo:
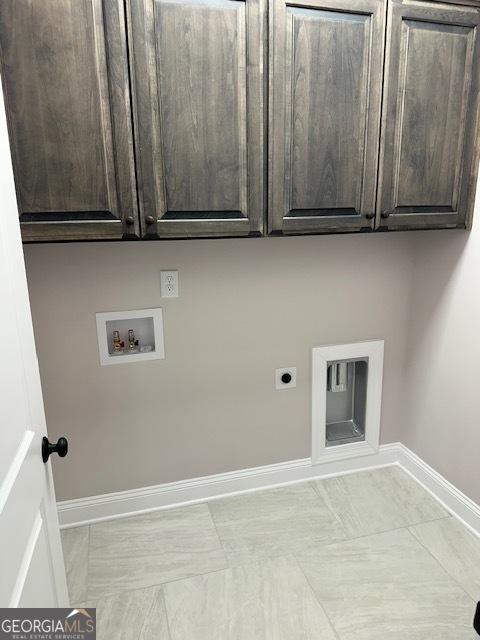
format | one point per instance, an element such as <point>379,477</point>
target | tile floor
<point>366,556</point>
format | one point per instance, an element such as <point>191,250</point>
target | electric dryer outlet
<point>286,378</point>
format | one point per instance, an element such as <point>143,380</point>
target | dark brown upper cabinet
<point>429,151</point>
<point>372,118</point>
<point>65,78</point>
<point>198,92</point>
<point>325,102</point>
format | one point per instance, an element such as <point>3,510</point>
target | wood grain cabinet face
<point>431,103</point>
<point>198,75</point>
<point>69,117</point>
<point>325,99</point>
<point>353,143</point>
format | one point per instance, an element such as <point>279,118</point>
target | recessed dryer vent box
<point>130,336</point>
<point>346,400</point>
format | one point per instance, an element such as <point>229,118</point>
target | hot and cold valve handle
<point>60,447</point>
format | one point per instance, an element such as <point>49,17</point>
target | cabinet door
<point>69,118</point>
<point>428,161</point>
<point>325,98</point>
<point>197,68</point>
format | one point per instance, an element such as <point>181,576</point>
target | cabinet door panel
<point>325,99</point>
<point>198,78</point>
<point>430,108</point>
<point>69,118</point>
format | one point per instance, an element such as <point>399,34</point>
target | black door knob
<point>60,447</point>
<point>476,620</point>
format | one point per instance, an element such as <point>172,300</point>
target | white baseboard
<point>74,513</point>
<point>454,501</point>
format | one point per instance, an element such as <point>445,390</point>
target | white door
<point>32,573</point>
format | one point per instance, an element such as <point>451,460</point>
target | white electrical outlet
<point>169,284</point>
<point>286,378</point>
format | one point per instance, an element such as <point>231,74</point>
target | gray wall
<point>443,365</point>
<point>245,308</point>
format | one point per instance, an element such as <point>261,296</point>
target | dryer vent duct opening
<point>337,377</point>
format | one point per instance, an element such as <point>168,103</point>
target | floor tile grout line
<point>260,559</point>
<point>421,544</point>
<point>169,628</point>
<point>147,616</point>
<point>227,563</point>
<point>328,505</point>
<point>212,518</point>
<point>218,548</point>
<point>440,563</point>
<point>161,587</point>
<point>403,526</point>
<point>313,484</point>
<point>293,554</point>
<point>157,585</point>
<point>252,561</point>
<point>317,599</point>
<point>299,554</point>
<point>364,535</point>
<point>88,563</point>
<point>378,533</point>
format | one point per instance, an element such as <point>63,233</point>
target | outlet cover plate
<point>285,385</point>
<point>169,284</point>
